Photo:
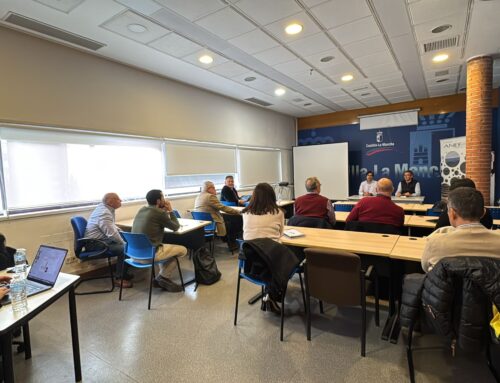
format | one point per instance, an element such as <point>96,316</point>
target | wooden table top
<point>425,221</point>
<point>408,248</point>
<point>359,243</point>
<point>341,216</point>
<point>187,225</point>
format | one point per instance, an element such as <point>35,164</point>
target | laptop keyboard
<point>32,288</point>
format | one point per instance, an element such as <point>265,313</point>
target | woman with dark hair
<point>262,218</point>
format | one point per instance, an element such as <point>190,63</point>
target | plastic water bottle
<point>17,294</point>
<point>20,262</point>
<point>18,283</point>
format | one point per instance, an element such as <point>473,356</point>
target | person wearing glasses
<point>208,202</point>
<point>229,192</point>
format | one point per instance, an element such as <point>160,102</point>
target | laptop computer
<point>44,270</point>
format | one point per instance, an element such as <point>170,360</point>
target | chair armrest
<point>84,242</point>
<point>369,271</point>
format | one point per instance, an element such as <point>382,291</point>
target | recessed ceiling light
<point>441,28</point>
<point>326,59</point>
<point>307,104</point>
<point>250,78</point>
<point>279,92</point>
<point>137,28</point>
<point>206,59</point>
<point>442,80</point>
<point>293,29</point>
<point>347,77</point>
<point>440,57</point>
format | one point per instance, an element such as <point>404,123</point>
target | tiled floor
<point>190,337</point>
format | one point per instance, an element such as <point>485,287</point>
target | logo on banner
<point>379,146</point>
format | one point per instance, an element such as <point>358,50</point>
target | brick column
<point>479,122</point>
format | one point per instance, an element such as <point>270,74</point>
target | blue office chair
<point>228,203</point>
<point>343,207</point>
<point>139,247</point>
<point>241,275</point>
<point>433,213</point>
<point>99,251</point>
<point>176,213</point>
<point>210,229</point>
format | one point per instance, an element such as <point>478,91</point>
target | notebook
<point>292,233</point>
<point>44,270</point>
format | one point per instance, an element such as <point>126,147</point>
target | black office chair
<point>314,222</point>
<point>99,251</point>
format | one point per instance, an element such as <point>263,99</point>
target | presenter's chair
<point>139,247</point>
<point>336,277</point>
<point>89,249</point>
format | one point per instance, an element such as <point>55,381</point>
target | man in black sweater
<point>229,193</point>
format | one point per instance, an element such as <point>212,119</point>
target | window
<point>259,165</point>
<point>45,168</point>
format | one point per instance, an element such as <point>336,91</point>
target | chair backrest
<point>228,203</point>
<point>79,225</point>
<point>138,245</point>
<point>433,213</point>
<point>176,213</point>
<point>204,216</point>
<point>333,276</point>
<point>303,221</point>
<point>343,207</point>
<point>372,227</point>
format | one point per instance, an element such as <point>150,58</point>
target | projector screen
<point>328,162</point>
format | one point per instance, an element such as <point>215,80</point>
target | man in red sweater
<point>379,209</point>
<point>313,204</point>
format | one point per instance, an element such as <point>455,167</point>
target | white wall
<point>47,84</point>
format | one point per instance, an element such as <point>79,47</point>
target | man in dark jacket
<point>229,192</point>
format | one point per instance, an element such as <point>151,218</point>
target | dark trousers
<point>115,249</point>
<point>234,227</point>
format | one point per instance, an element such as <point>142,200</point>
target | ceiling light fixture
<point>137,28</point>
<point>279,92</point>
<point>440,57</point>
<point>250,78</point>
<point>347,77</point>
<point>293,29</point>
<point>441,28</point>
<point>206,59</point>
<point>326,59</point>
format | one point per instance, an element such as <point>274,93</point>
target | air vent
<point>258,101</point>
<point>48,30</point>
<point>360,89</point>
<point>442,73</point>
<point>438,45</point>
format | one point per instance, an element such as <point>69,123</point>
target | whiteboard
<point>328,162</point>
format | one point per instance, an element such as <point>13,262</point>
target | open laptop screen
<point>47,265</point>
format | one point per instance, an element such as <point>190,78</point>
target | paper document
<point>292,233</point>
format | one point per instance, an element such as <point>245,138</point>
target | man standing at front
<point>313,204</point>
<point>152,221</point>
<point>467,236</point>
<point>101,226</point>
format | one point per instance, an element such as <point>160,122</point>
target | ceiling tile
<point>175,45</point>
<point>378,58</point>
<point>338,12</point>
<point>61,5</point>
<point>192,9</point>
<point>278,27</point>
<point>366,47</point>
<point>377,102</point>
<point>119,24</point>
<point>275,56</point>
<point>457,21</point>
<point>229,69</point>
<point>292,67</point>
<point>377,70</point>
<point>356,31</point>
<point>396,100</point>
<point>193,58</point>
<point>426,10</point>
<point>254,41</point>
<point>332,92</point>
<point>397,94</point>
<point>392,89</point>
<point>315,59</point>
<point>312,3</point>
<point>265,11</point>
<point>226,24</point>
<point>309,45</point>
<point>340,69</point>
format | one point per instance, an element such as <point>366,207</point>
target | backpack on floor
<point>205,267</point>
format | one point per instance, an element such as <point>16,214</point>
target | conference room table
<point>407,207</point>
<point>401,199</point>
<point>10,321</point>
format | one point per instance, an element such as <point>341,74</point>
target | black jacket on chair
<point>269,261</point>
<point>303,221</point>
<point>456,297</point>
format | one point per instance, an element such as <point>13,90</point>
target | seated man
<point>409,187</point>
<point>444,220</point>
<point>467,236</point>
<point>152,221</point>
<point>229,192</point>
<point>379,209</point>
<point>207,202</point>
<point>101,226</point>
<point>313,204</point>
<point>368,187</point>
